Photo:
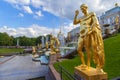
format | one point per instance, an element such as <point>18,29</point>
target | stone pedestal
<point>91,74</point>
<point>53,59</point>
<point>52,52</point>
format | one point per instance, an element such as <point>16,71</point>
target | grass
<point>10,50</point>
<point>112,56</point>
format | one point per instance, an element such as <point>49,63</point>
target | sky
<point>33,18</point>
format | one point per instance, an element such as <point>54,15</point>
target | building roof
<point>113,10</point>
<point>77,28</point>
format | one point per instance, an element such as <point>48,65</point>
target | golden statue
<point>54,44</point>
<point>117,19</point>
<point>39,46</point>
<point>57,44</point>
<point>90,38</point>
<point>47,46</point>
<point>52,47</point>
<point>117,22</point>
<point>33,50</point>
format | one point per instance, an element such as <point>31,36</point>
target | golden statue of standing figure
<point>47,45</point>
<point>90,38</point>
<point>52,47</point>
<point>54,44</point>
<point>33,50</point>
<point>57,44</point>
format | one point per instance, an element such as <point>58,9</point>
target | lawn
<point>10,50</point>
<point>112,56</point>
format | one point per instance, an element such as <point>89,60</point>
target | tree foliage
<point>6,40</point>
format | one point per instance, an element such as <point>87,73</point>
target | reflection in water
<point>44,59</point>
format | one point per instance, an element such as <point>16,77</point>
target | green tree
<point>25,41</point>
<point>39,40</point>
<point>5,39</point>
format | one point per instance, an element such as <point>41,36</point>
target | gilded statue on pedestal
<point>54,44</point>
<point>34,52</point>
<point>52,47</point>
<point>57,44</point>
<point>47,46</point>
<point>90,38</point>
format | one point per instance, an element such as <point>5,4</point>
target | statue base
<point>53,58</point>
<point>52,52</point>
<point>35,55</point>
<point>90,74</point>
<point>57,50</point>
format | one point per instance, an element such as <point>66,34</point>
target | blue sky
<point>39,17</point>
<point>13,17</point>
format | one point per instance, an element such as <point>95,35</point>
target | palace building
<point>74,34</point>
<point>110,20</point>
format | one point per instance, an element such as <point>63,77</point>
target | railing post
<point>60,72</point>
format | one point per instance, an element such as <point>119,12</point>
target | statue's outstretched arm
<point>76,21</point>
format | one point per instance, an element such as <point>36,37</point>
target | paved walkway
<point>21,68</point>
<point>5,59</point>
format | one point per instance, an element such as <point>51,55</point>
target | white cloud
<point>37,3</point>
<point>10,31</point>
<point>38,13</point>
<point>24,2</point>
<point>19,2</point>
<point>36,30</point>
<point>68,7</point>
<point>21,15</point>
<point>30,31</point>
<point>11,1</point>
<point>27,9</point>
